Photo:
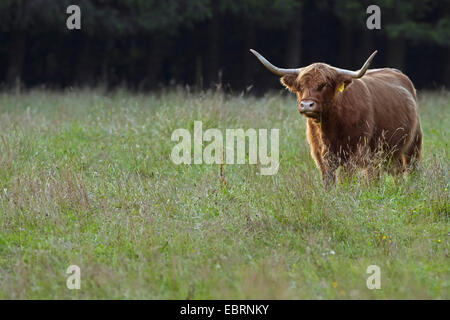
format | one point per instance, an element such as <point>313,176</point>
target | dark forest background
<point>149,44</point>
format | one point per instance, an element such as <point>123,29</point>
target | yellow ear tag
<point>341,87</point>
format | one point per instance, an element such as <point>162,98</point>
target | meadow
<point>86,179</point>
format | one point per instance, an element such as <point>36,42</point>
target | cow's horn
<point>271,67</point>
<point>360,72</point>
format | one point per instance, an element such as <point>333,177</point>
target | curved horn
<point>271,67</point>
<point>360,72</point>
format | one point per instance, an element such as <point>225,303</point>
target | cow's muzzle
<point>309,108</point>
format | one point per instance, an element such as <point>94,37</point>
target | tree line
<point>149,44</point>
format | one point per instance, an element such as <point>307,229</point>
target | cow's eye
<point>321,86</point>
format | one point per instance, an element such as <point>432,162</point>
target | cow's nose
<point>307,105</point>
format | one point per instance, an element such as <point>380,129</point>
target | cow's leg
<point>329,167</point>
<point>316,147</point>
<point>396,168</point>
<point>320,153</point>
<point>325,166</point>
<point>328,176</point>
<point>412,155</point>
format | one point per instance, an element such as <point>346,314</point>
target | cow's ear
<point>289,81</point>
<point>343,83</point>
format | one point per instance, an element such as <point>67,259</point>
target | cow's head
<point>316,85</point>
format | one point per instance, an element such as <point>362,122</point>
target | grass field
<point>86,178</point>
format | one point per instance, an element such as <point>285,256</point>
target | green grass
<point>86,179</point>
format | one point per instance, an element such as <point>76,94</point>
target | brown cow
<point>353,116</point>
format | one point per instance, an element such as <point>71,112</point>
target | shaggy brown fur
<point>373,114</point>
